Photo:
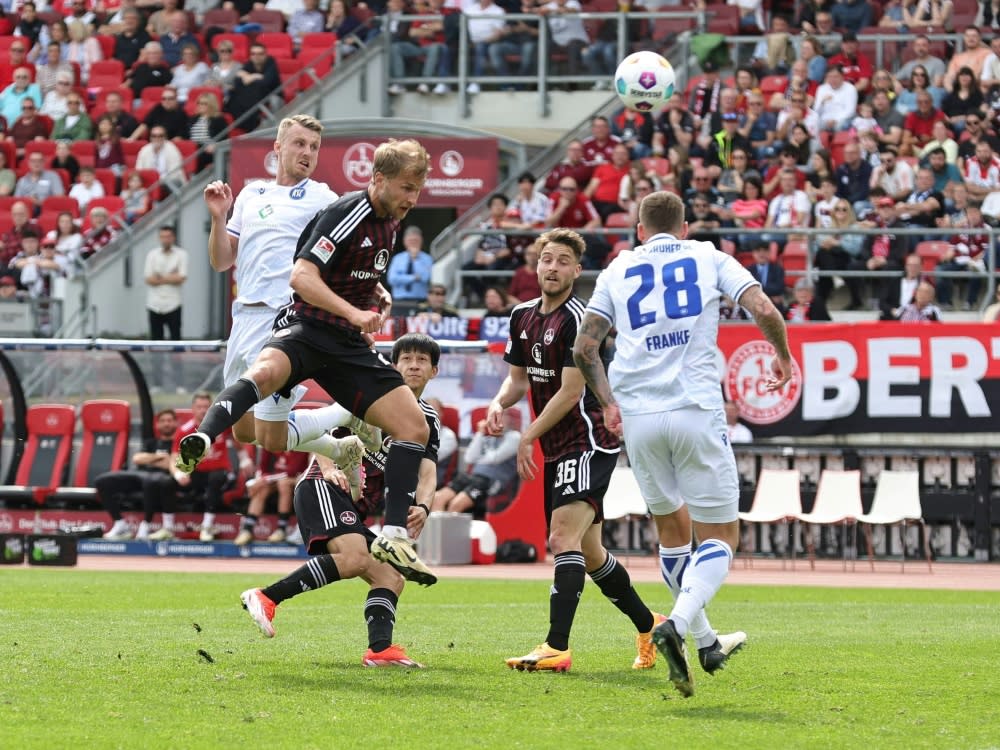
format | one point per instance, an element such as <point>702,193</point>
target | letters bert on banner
<point>868,377</point>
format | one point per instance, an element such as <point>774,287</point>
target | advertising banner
<point>463,170</point>
<point>868,377</point>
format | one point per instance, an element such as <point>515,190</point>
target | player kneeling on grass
<point>333,524</point>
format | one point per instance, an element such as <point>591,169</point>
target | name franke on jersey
<point>667,340</point>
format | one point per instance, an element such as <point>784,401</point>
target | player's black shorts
<point>476,486</point>
<point>342,363</point>
<point>324,512</point>
<point>578,476</point>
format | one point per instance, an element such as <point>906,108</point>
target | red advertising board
<point>463,170</point>
<point>868,377</point>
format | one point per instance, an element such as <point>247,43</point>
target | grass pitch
<point>105,660</point>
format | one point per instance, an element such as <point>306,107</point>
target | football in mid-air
<point>644,81</point>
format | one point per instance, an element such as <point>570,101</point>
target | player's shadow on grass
<point>350,675</point>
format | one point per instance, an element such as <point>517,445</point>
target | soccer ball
<point>645,81</point>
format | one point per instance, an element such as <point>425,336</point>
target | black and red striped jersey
<point>351,246</point>
<point>543,345</point>
<point>372,499</point>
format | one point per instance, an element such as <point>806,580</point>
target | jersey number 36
<point>681,294</point>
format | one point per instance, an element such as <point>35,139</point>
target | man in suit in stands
<point>770,275</point>
<point>899,293</point>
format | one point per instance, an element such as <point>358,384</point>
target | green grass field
<point>102,660</point>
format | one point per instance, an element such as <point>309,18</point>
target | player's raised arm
<point>221,245</point>
<point>772,325</point>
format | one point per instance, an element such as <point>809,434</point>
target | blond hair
<point>394,158</point>
<point>307,121</point>
<point>662,212</point>
<point>566,237</point>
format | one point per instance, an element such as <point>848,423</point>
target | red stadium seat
<point>277,43</point>
<point>45,148</point>
<point>130,150</point>
<point>108,180</point>
<point>85,152</point>
<point>222,18</point>
<point>794,260</point>
<point>106,74</point>
<point>45,461</point>
<point>188,149</point>
<point>60,203</point>
<point>930,252</point>
<point>104,448</point>
<point>269,20</point>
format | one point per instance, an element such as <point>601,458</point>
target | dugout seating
<point>450,418</point>
<point>104,447</point>
<point>44,464</point>
<point>838,501</point>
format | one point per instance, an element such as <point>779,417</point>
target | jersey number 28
<point>681,294</point>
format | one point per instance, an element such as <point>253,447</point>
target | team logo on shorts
<point>323,249</point>
<point>297,193</point>
<point>549,337</point>
<point>348,518</point>
<point>747,372</point>
<point>381,260</point>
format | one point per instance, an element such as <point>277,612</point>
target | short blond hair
<point>566,237</point>
<point>662,212</point>
<point>394,158</point>
<point>307,121</point>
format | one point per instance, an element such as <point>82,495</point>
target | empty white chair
<point>897,500</point>
<point>776,500</point>
<point>838,501</point>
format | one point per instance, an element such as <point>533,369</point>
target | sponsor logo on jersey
<point>381,260</point>
<point>747,372</point>
<point>323,249</point>
<point>266,210</point>
<point>549,337</point>
<point>297,193</point>
<point>348,518</point>
<point>366,242</point>
<point>536,352</point>
<point>524,335</point>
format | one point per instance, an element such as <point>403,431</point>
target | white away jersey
<point>268,219</point>
<point>663,298</point>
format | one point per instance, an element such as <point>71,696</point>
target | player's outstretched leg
<point>231,404</point>
<point>542,658</point>
<point>714,657</point>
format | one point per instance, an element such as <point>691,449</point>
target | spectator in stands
<point>177,38</point>
<point>603,188</point>
<point>82,48</point>
<point>225,70</point>
<point>16,58</point>
<point>497,302</point>
<point>436,305</point>
<point>795,112</point>
<point>924,206</point>
<point>806,307</point>
<point>205,127</point>
<point>252,85</point>
<point>55,103</point>
<point>894,176</point>
<point>570,209</point>
<point>710,125</point>
<point>159,21</point>
<point>150,476</point>
<point>820,168</point>
<point>918,127</point>
<point>190,72</point>
<point>824,200</point>
<point>771,275</point>
<point>990,315</point>
<point>838,249</point>
<point>941,138</point>
<point>492,251</point>
<point>305,20</point>
<point>888,120</point>
<point>825,29</point>
<point>21,223</point>
<point>517,39</point>
<point>78,11</point>
<point>852,15</point>
<point>9,291</point>
<point>964,98</point>
<point>567,32</point>
<point>730,181</point>
<point>66,237</point>
<point>933,13</point>
<point>989,79</point>
<point>165,271</point>
<point>854,64</point>
<point>39,268</point>
<point>348,28</point>
<point>21,90</point>
<point>101,232</point>
<point>27,128</point>
<point>29,25</point>
<point>736,431</point>
<point>573,166</point>
<point>600,57</point>
<point>151,70</point>
<point>107,146</point>
<point>967,251</point>
<point>749,211</point>
<point>409,272</point>
<point>600,144</point>
<point>51,68</point>
<point>775,51</point>
<point>786,161</point>
<point>836,100</point>
<point>973,56</point>
<point>789,209</point>
<point>884,82</point>
<point>86,189</point>
<point>853,178</point>
<point>906,102</point>
<point>635,130</point>
<point>493,462</point>
<point>131,40</point>
<point>705,95</point>
<point>8,179</point>
<point>982,173</point>
<point>922,308</point>
<point>896,294</point>
<point>933,67</point>
<point>639,188</point>
<point>806,11</point>
<point>64,159</point>
<point>673,126</point>
<point>881,252</point>
<point>724,142</point>
<point>136,197</point>
<point>955,211</point>
<point>163,156</point>
<point>55,32</point>
<point>976,129</point>
<point>122,122</point>
<point>529,207</point>
<point>167,114</point>
<point>423,39</point>
<point>705,218</point>
<point>38,183</point>
<point>943,173</point>
<point>759,127</point>
<point>277,473</point>
<point>524,283</point>
<point>702,186</point>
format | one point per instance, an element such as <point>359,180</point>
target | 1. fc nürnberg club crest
<point>357,164</point>
<point>747,372</point>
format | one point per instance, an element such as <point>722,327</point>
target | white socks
<point>702,579</point>
<point>207,520</point>
<point>305,425</point>
<point>673,562</point>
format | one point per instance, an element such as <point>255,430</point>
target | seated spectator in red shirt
<point>524,284</point>
<point>772,177</point>
<point>572,166</point>
<point>601,144</point>
<point>571,209</point>
<point>28,127</point>
<point>605,185</point>
<point>855,64</point>
<point>919,125</point>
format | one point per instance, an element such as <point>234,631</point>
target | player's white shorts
<point>251,330</point>
<point>682,457</point>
